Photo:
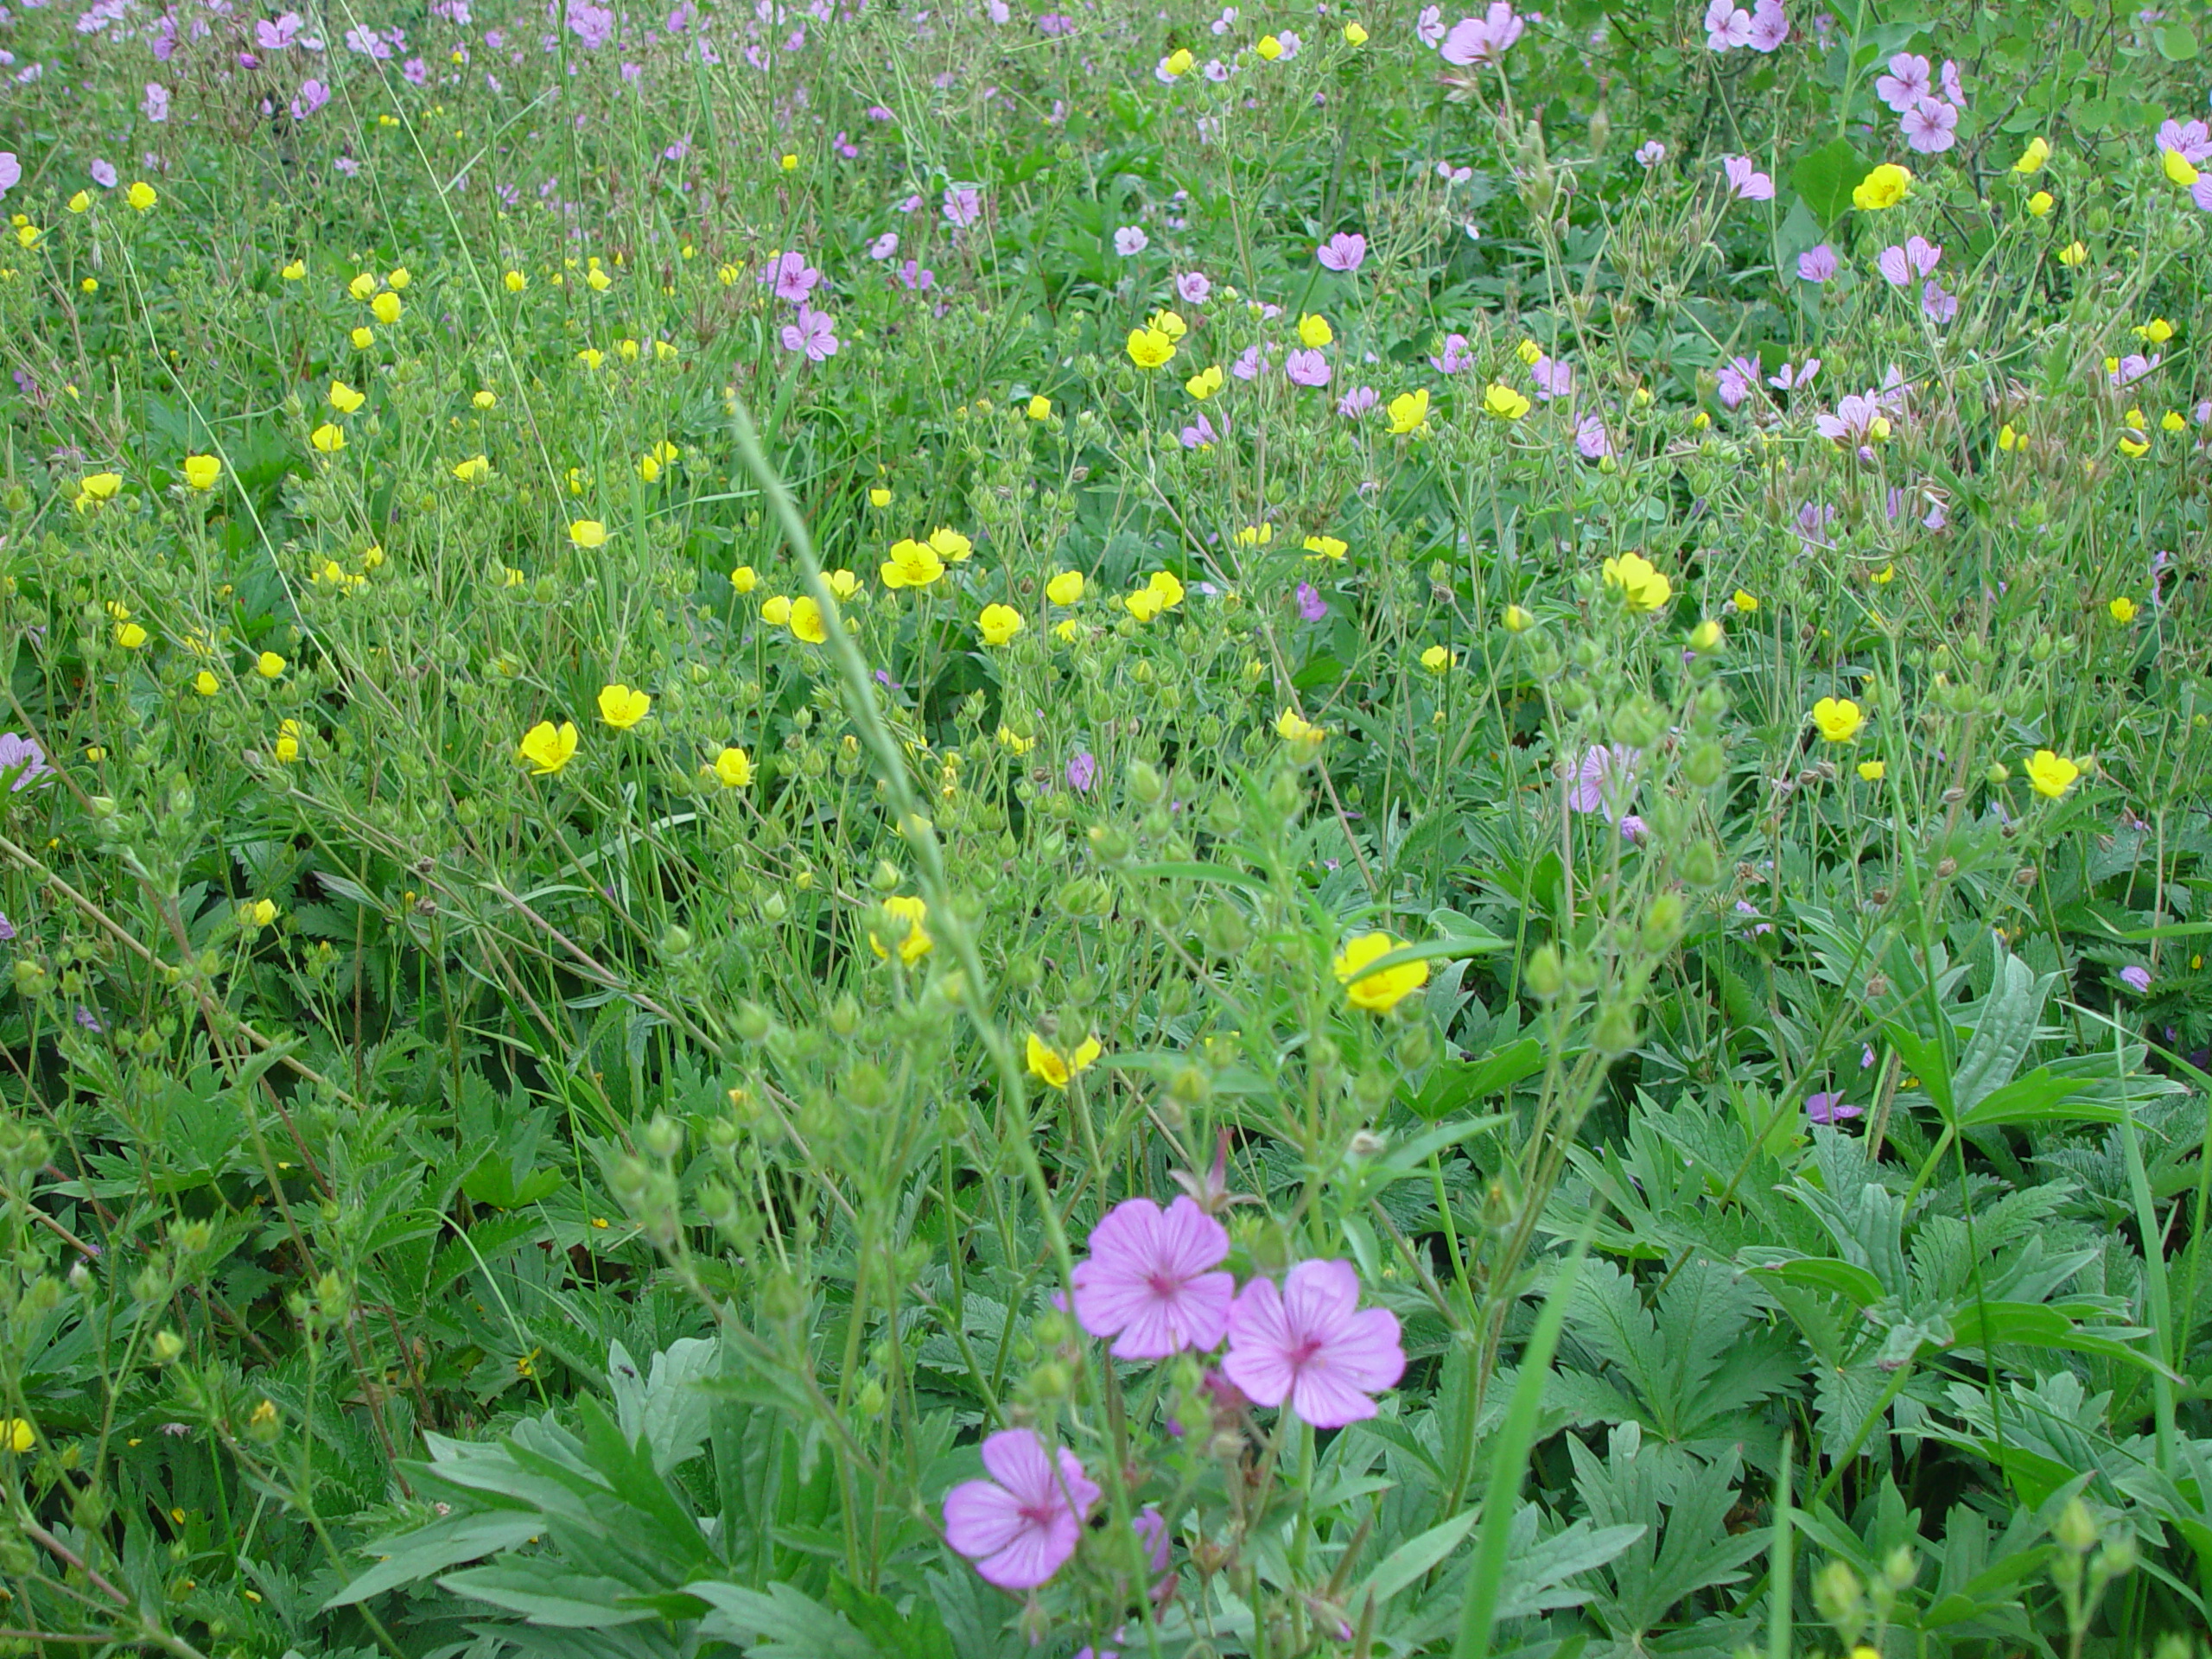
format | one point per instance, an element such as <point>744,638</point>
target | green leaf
<point>548,1592</point>
<point>1826,179</point>
<point>1855,1284</point>
<point>2039,1097</point>
<point>433,1549</point>
<point>2177,42</point>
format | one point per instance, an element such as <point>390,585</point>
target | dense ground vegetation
<point>880,829</point>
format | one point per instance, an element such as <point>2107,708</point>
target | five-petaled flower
<point>1378,990</point>
<point>2052,774</point>
<point>549,748</point>
<point>621,706</point>
<point>1021,1526</point>
<point>1055,1066</point>
<point>1310,1346</point>
<point>1838,718</point>
<point>1153,1280</point>
<point>916,942</point>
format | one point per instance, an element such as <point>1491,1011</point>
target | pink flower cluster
<point>1928,120</point>
<point>1763,28</point>
<point>1471,40</point>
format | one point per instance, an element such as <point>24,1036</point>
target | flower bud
<point>167,1345</point>
<point>1545,976</point>
<point>2076,1529</point>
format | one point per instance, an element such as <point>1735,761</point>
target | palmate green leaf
<point>780,1623</point>
<point>545,1590</point>
<point>441,1544</point>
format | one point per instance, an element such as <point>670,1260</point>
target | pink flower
<point>155,106</point>
<point>2192,142</point>
<point>2132,368</point>
<point>1786,379</point>
<point>1149,1279</point>
<point>792,277</point>
<point>1356,401</point>
<point>1193,287</point>
<point>1738,375</point>
<point>1902,266</point>
<point>11,171</point>
<point>1953,88</point>
<point>1310,1346</point>
<point>1748,183</point>
<point>1939,306</point>
<point>311,97</point>
<point>1023,1524</point>
<point>1553,378</point>
<point>1130,241</point>
<point>1830,1109</point>
<point>1603,776</point>
<point>1853,418</point>
<point>1770,27</point>
<point>1906,84</point>
<point>1313,608</point>
<point>1429,26</point>
<point>1650,154</point>
<point>1200,434</point>
<point>1590,439</point>
<point>1482,40</point>
<point>1816,264</point>
<point>2201,193</point>
<point>811,332</point>
<point>1307,368</point>
<point>104,173</point>
<point>963,204</point>
<point>1929,126</point>
<point>1343,251</point>
<point>275,37</point>
<point>1249,362</point>
<point>1727,26</point>
<point>1454,356</point>
<point>884,246</point>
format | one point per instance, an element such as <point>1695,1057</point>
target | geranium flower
<point>1907,81</point>
<point>1745,180</point>
<point>811,332</point>
<point>1346,252</point>
<point>1929,126</point>
<point>1021,1526</point>
<point>1902,266</point>
<point>1151,1280</point>
<point>1309,1345</point>
<point>1481,40</point>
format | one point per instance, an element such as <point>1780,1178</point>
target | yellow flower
<point>2073,254</point>
<point>344,398</point>
<point>2041,203</point>
<point>2010,437</point>
<point>2179,168</point>
<point>1169,323</point>
<point>1163,586</point>
<point>733,768</point>
<point>843,583</point>
<point>1838,719</point>
<point>806,621</point>
<point>1314,331</point>
<point>2123,610</point>
<point>1639,581</point>
<point>1143,605</point>
<point>598,281</point>
<point>516,281</point>
<point>130,635</point>
<point>1206,381</point>
<point>363,338</point>
<point>1325,547</point>
<point>1873,771</point>
<point>548,747</point>
<point>1066,588</point>
<point>269,665</point>
<point>1885,187</point>
<point>257,912</point>
<point>911,564</point>
<point>295,271</point>
<point>622,708</point>
<point>1408,412</point>
<point>1294,728</point>
<point>591,357</point>
<point>1527,350</point>
<point>998,623</point>
<point>2158,330</point>
<point>80,202</point>
<point>588,533</point>
<point>400,278</point>
<point>950,544</point>
<point>1744,602</point>
<point>1504,401</point>
<point>100,487</point>
<point>1255,536</point>
<point>1149,348</point>
<point>2051,775</point>
<point>1706,636</point>
<point>918,942</point>
<point>788,161</point>
<point>2172,422</point>
<point>878,497</point>
<point>204,684</point>
<point>385,309</point>
<point>1177,62</point>
<point>1436,659</point>
<point>141,196</point>
<point>777,611</point>
<point>2032,158</point>
<point>1517,620</point>
<point>1041,408</point>
<point>289,734</point>
<point>1355,36</point>
<point>363,285</point>
<point>328,438</point>
<point>744,579</point>
<point>1268,48</point>
<point>1053,1067</point>
<point>18,1434</point>
<point>1379,992</point>
<point>473,470</point>
<point>2133,439</point>
<point>200,472</point>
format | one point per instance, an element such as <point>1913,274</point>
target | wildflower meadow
<point>992,827</point>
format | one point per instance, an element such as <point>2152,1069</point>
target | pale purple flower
<point>1650,154</point>
<point>89,1020</point>
<point>1786,378</point>
<point>1553,378</point>
<point>1428,28</point>
<point>104,175</point>
<point>1829,1108</point>
<point>2192,142</point>
<point>155,106</point>
<point>18,751</point>
<point>1604,778</point>
<point>1866,1055</point>
<point>1937,305</point>
<point>1745,907</point>
<point>1907,83</point>
<point>1452,175</point>
<point>792,277</point>
<point>2132,368</point>
<point>963,204</point>
<point>11,171</point>
<point>1346,252</point>
<point>811,332</point>
<point>1903,266</point>
<point>1953,88</point>
<point>1929,126</point>
<point>2136,978</point>
<point>1292,44</point>
<point>1738,375</point>
<point>1812,527</point>
<point>1356,401</point>
<point>1744,178</point>
<point>1309,1345</point>
<point>1249,362</point>
<point>1083,771</point>
<point>276,36</point>
<point>1200,433</point>
<point>1816,264</point>
<point>1770,27</point>
<point>1853,418</point>
<point>1150,1279</point>
<point>2201,193</point>
<point>1727,26</point>
<point>1193,287</point>
<point>1130,241</point>
<point>7,931</point>
<point>1311,604</point>
<point>311,97</point>
<point>1022,1525</point>
<point>1482,40</point>
<point>1454,357</point>
<point>913,278</point>
<point>1590,439</point>
<point>1307,368</point>
<point>884,246</point>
